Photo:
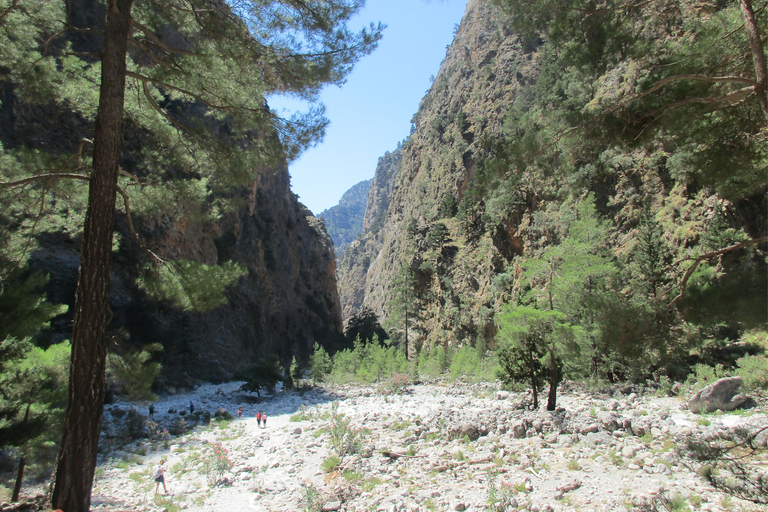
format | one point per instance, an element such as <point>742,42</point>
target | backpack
<point>158,472</point>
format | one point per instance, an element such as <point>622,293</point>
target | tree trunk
<point>19,478</point>
<point>406,332</point>
<point>758,53</point>
<point>534,380</point>
<point>22,460</point>
<point>553,382</point>
<point>76,462</point>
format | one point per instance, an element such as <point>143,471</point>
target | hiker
<point>258,418</point>
<point>191,407</point>
<point>160,476</point>
<point>264,419</point>
<point>151,411</point>
<point>240,412</point>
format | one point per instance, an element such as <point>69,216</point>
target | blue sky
<point>372,111</point>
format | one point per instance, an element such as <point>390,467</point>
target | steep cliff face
<point>285,302</point>
<point>354,265</point>
<point>344,222</point>
<point>483,72</point>
<point>287,299</point>
<point>460,239</point>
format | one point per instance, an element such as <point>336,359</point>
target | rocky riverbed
<point>443,447</point>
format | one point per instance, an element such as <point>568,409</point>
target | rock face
<point>483,72</point>
<point>344,222</point>
<point>285,302</point>
<point>722,395</point>
<point>432,211</point>
<point>353,268</point>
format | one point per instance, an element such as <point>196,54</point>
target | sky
<point>372,111</point>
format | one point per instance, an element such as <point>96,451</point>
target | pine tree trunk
<point>76,462</point>
<point>534,380</point>
<point>22,460</point>
<point>758,53</point>
<point>553,381</point>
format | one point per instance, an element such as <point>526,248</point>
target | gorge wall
<point>433,213</point>
<point>485,69</point>
<point>286,301</point>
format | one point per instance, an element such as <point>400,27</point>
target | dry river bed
<point>442,447</point>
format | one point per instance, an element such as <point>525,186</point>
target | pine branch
<point>7,11</point>
<point>160,44</point>
<point>707,256</point>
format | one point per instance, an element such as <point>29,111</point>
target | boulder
<point>720,395</point>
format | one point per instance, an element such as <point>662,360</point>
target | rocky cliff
<point>344,222</point>
<point>460,234</point>
<point>354,265</point>
<point>285,302</point>
<point>484,70</point>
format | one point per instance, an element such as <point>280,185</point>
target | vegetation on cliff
<point>603,162</point>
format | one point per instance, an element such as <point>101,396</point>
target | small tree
<point>263,374</point>
<point>33,394</point>
<point>533,345</point>
<point>320,364</point>
<point>365,325</point>
<point>404,308</point>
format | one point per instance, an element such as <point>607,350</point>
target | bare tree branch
<point>42,177</point>
<point>129,220</point>
<point>709,255</point>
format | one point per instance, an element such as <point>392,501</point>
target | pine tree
<point>33,384</point>
<point>404,308</point>
<point>533,346</point>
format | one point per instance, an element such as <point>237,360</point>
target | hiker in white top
<point>160,476</point>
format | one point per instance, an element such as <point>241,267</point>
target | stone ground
<point>439,447</point>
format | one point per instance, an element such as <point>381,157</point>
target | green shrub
<point>433,362</point>
<point>754,372</point>
<point>345,440</point>
<point>330,463</point>
<point>703,375</point>
<point>472,364</point>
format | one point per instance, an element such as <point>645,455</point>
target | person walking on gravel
<point>160,476</point>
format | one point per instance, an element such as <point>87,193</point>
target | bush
<point>703,375</point>
<point>754,372</point>
<point>434,362</point>
<point>177,427</point>
<point>471,363</point>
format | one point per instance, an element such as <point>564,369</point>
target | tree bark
<point>22,460</point>
<point>758,54</point>
<point>76,462</point>
<point>553,382</point>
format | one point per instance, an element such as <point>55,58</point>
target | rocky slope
<point>457,215</point>
<point>354,265</point>
<point>438,446</point>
